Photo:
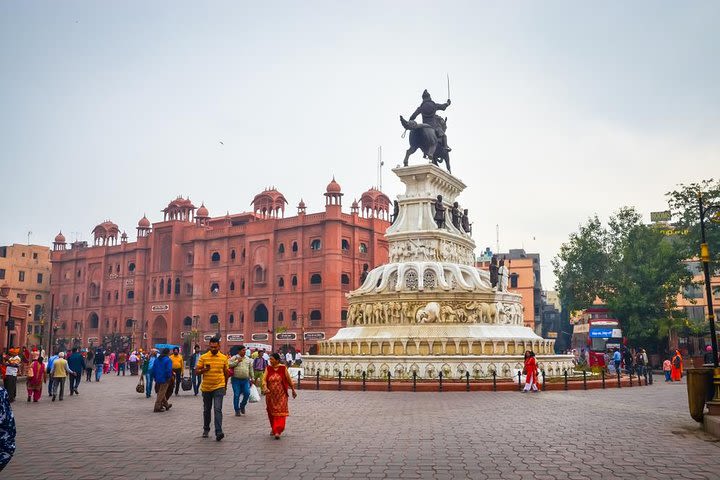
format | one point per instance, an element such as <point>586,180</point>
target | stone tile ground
<point>110,431</point>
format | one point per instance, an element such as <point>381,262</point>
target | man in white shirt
<point>266,356</point>
<point>289,359</point>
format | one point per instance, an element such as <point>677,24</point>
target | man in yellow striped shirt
<point>213,366</point>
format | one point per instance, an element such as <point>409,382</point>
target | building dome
<point>60,238</point>
<point>202,212</point>
<point>144,222</point>
<point>302,204</point>
<point>333,187</point>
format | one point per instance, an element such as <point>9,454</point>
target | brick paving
<point>110,431</point>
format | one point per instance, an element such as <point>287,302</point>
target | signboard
<point>259,346</point>
<point>663,216</point>
<point>93,340</point>
<point>285,336</point>
<point>260,337</point>
<point>207,337</point>
<point>160,308</point>
<point>616,333</point>
<point>581,328</point>
<point>129,282</point>
<point>601,333</point>
<point>235,337</point>
<point>552,335</point>
<point>314,335</point>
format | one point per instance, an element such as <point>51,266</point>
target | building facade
<point>25,273</point>
<point>253,278</point>
<point>694,303</point>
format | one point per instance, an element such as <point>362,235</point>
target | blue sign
<point>601,333</point>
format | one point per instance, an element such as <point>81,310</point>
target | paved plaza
<point>110,431</point>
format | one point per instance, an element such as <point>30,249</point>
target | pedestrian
<point>100,361</point>
<point>178,365</point>
<point>677,367</point>
<point>640,362</point>
<point>708,358</point>
<point>629,362</point>
<point>147,371</point>
<point>265,355</point>
<point>617,360</point>
<point>133,361</point>
<point>121,362</point>
<point>12,368</point>
<point>298,358</point>
<point>192,363</point>
<point>162,374</point>
<point>530,370</point>
<point>667,368</point>
<point>289,359</point>
<point>89,363</point>
<point>48,369</point>
<point>59,374</point>
<point>7,429</point>
<point>259,366</point>
<point>77,364</point>
<point>275,384</point>
<point>111,362</point>
<point>213,366</point>
<point>243,374</point>
<point>36,376</point>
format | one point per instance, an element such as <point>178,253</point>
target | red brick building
<point>245,276</point>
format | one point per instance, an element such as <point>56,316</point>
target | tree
<point>683,204</point>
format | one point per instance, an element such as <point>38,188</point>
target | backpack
<point>676,362</point>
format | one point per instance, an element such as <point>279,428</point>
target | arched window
<point>242,254</point>
<point>281,248</point>
<point>281,317</point>
<point>232,254</point>
<point>128,323</point>
<point>315,279</point>
<point>117,268</point>
<point>242,284</point>
<point>130,294</point>
<point>294,247</point>
<point>189,258</point>
<point>294,281</point>
<point>177,286</point>
<point>162,286</point>
<point>188,289</point>
<point>259,274</point>
<point>345,279</point>
<point>293,316</point>
<point>131,267</point>
<point>187,322</point>
<point>343,317</point>
<point>315,315</point>
<point>215,257</point>
<point>215,288</point>
<point>281,282</point>
<point>231,319</point>
<point>94,320</point>
<point>169,286</point>
<point>345,245</point>
<point>232,285</point>
<point>363,248</point>
<point>315,244</point>
<point>214,319</point>
<point>261,313</point>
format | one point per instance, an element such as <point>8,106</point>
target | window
<point>162,285</point>
<point>109,269</point>
<point>514,280</point>
<point>130,294</point>
<point>2,273</point>
<point>343,317</point>
<point>281,248</point>
<point>3,252</point>
<point>294,247</point>
<point>117,268</point>
<point>259,274</point>
<point>315,315</point>
<point>231,319</point>
<point>293,316</point>
<point>34,256</point>
<point>79,272</point>
<point>716,292</point>
<point>131,267</point>
<point>695,268</point>
<point>232,254</point>
<point>39,278</point>
<point>315,279</point>
<point>128,323</point>
<point>345,245</point>
<point>38,297</point>
<point>177,286</point>
<point>94,320</point>
<point>215,288</point>
<point>77,299</point>
<point>232,285</point>
<point>117,294</point>
<point>695,313</point>
<point>21,276</point>
<point>294,281</point>
<point>187,322</point>
<point>38,312</point>
<point>693,291</point>
<point>281,317</point>
<point>189,258</point>
<point>345,279</point>
<point>363,248</point>
<point>261,313</point>
<point>215,257</point>
<point>315,244</point>
<point>214,319</point>
<point>281,282</point>
<point>188,289</point>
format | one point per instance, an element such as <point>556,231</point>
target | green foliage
<point>684,207</point>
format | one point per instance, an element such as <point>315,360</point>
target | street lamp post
<point>9,322</point>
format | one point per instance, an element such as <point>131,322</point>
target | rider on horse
<point>428,108</point>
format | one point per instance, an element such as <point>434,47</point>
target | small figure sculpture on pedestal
<point>455,215</point>
<point>440,212</point>
<point>502,277</point>
<point>466,222</point>
<point>396,211</point>
<point>493,271</point>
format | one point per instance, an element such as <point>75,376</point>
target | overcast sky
<point>561,110</point>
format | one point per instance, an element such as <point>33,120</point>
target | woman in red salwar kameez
<point>275,384</point>
<point>531,372</point>
<point>35,379</point>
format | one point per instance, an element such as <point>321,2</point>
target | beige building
<point>25,269</point>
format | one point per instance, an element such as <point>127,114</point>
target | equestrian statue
<point>429,136</point>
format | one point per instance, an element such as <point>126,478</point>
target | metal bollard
<point>650,377</point>
<point>543,384</point>
<point>566,378</point>
<point>389,389</point>
<point>584,379</point>
<point>414,381</point>
<point>645,374</point>
<point>339,380</point>
<point>630,375</point>
<point>494,381</point>
<point>317,380</point>
<point>440,377</point>
<point>519,380</point>
<point>363,380</point>
<point>298,382</point>
<point>467,381</point>
<point>618,377</point>
<point>603,378</point>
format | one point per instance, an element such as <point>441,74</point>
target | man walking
<point>99,364</point>
<point>259,366</point>
<point>89,363</point>
<point>147,370</point>
<point>242,375</point>
<point>213,366</point>
<point>50,363</point>
<point>162,374</point>
<point>59,374</point>
<point>76,363</point>
<point>122,361</point>
<point>194,358</point>
<point>617,359</point>
<point>178,365</point>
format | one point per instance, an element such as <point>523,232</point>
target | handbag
<point>140,387</point>
<point>254,394</point>
<point>186,384</point>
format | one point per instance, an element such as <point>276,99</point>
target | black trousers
<point>88,374</point>
<point>178,378</point>
<point>10,382</point>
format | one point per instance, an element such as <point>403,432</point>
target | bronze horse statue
<point>425,138</point>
